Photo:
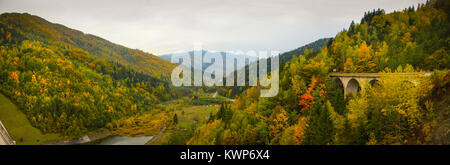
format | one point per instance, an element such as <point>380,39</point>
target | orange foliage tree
<point>307,99</point>
<point>365,61</point>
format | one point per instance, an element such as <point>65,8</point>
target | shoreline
<point>82,140</point>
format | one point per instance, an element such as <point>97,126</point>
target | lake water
<point>125,140</point>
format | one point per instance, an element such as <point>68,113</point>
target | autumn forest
<point>68,84</point>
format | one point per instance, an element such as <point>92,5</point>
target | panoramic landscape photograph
<point>245,73</point>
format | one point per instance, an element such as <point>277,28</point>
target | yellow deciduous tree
<point>349,66</point>
<point>299,131</point>
<point>365,61</point>
<point>278,120</point>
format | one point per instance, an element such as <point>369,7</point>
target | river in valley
<point>125,140</point>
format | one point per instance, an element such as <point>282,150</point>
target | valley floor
<point>189,117</point>
<point>153,123</point>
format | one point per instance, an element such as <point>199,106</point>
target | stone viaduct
<point>354,82</point>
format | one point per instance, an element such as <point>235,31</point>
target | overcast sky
<point>165,26</point>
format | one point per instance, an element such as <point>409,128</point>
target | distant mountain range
<point>224,55</point>
<point>284,57</point>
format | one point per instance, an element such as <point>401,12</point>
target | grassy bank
<point>19,127</point>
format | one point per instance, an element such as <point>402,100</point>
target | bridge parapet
<point>410,74</point>
<point>5,139</point>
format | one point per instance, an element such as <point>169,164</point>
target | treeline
<point>314,46</point>
<point>311,109</point>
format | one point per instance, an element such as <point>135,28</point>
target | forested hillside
<point>30,27</point>
<point>417,37</point>
<point>71,83</point>
<point>310,107</point>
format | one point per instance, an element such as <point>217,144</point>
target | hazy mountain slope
<point>284,57</point>
<point>205,53</point>
<point>314,46</point>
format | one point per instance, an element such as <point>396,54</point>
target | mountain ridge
<point>31,27</point>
